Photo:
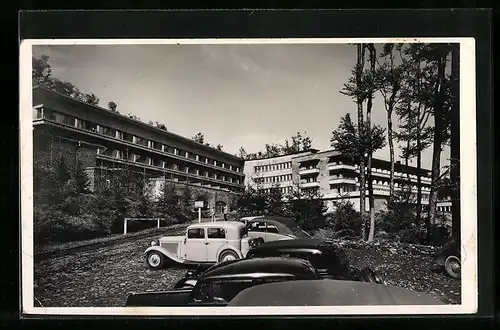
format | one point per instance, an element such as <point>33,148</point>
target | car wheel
<point>453,266</point>
<point>155,260</point>
<point>228,255</point>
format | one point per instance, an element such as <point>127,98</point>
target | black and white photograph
<point>244,176</point>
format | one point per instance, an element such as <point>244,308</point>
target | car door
<point>196,247</point>
<point>216,238</point>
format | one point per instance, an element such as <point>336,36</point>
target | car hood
<point>172,239</point>
<point>329,293</point>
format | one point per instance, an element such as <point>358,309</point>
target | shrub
<point>399,222</point>
<point>345,220</point>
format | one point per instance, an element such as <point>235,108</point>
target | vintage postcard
<point>248,177</point>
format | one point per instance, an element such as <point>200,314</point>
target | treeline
<point>296,144</point>
<point>305,207</point>
<point>418,86</point>
<point>42,77</point>
<point>66,209</point>
<point>200,138</point>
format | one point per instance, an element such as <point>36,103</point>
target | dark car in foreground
<point>449,258</point>
<point>328,259</point>
<point>329,293</point>
<point>221,282</point>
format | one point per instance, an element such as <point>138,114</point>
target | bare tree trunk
<point>362,181</point>
<point>437,146</point>
<point>390,108</point>
<point>419,180</point>
<point>391,152</point>
<point>419,167</point>
<point>407,182</point>
<point>369,106</point>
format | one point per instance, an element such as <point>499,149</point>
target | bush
<point>71,228</point>
<point>398,221</point>
<point>345,220</point>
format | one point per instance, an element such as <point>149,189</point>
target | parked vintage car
<point>449,259</point>
<point>328,259</point>
<point>221,282</point>
<point>209,242</point>
<point>329,293</point>
<point>272,228</point>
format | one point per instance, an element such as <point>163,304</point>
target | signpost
<point>199,206</point>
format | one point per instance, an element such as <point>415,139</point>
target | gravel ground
<point>405,265</point>
<point>103,277</point>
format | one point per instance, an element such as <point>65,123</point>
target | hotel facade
<point>333,176</point>
<point>104,140</point>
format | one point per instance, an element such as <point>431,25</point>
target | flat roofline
<point>119,115</point>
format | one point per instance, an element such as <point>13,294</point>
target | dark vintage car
<point>221,282</point>
<point>329,293</point>
<point>328,259</point>
<point>449,258</point>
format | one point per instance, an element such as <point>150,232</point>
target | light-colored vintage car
<point>203,243</point>
<point>273,228</point>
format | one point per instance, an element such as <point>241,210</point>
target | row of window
<point>130,157</point>
<point>199,233</point>
<point>111,132</point>
<point>284,190</point>
<point>273,167</point>
<point>446,209</point>
<point>274,179</point>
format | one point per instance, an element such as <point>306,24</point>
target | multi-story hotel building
<point>116,141</point>
<point>333,176</point>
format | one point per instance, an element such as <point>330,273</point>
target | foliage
<point>298,143</point>
<point>42,77</point>
<point>274,202</point>
<point>200,138</point>
<point>252,202</point>
<point>399,219</point>
<point>306,208</point>
<point>353,142</point>
<point>65,209</point>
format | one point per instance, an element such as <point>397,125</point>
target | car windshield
<point>301,234</point>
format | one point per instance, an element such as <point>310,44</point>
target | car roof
<point>218,224</point>
<point>291,243</point>
<point>263,266</point>
<point>329,293</point>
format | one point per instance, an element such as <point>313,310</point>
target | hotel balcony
<point>308,170</point>
<point>343,180</point>
<point>333,167</point>
<point>125,139</point>
<point>311,184</point>
<point>146,163</point>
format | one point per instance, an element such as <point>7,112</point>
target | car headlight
<point>154,243</point>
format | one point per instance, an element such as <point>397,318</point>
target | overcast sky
<point>236,95</point>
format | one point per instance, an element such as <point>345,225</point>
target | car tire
<point>453,266</point>
<point>228,255</point>
<point>155,260</point>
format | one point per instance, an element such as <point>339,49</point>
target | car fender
<point>229,247</point>
<point>166,253</point>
